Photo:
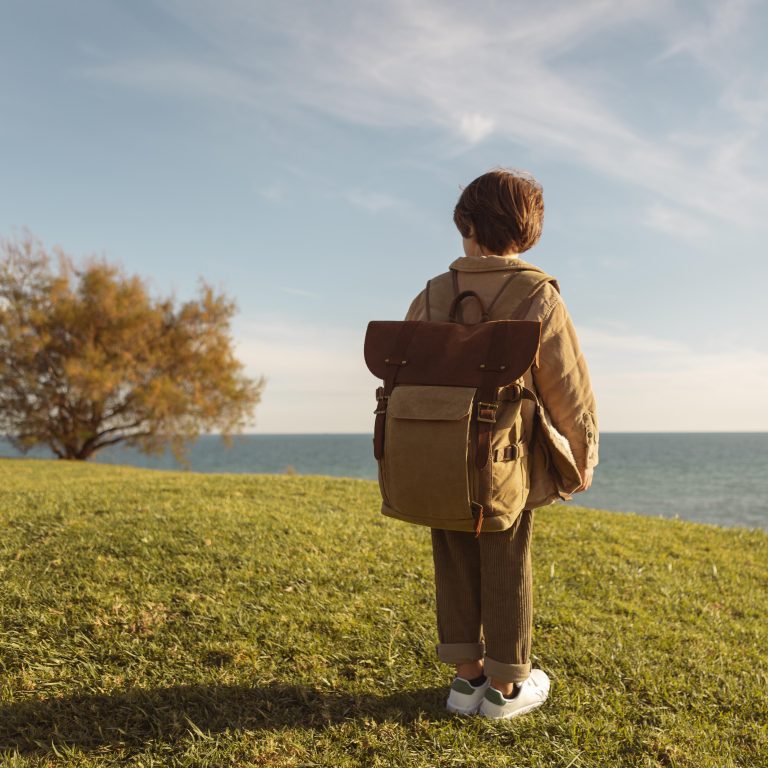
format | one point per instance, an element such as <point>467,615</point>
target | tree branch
<point>119,438</point>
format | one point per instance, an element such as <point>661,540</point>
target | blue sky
<point>305,158</point>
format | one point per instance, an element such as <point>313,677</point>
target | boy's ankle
<point>470,670</point>
<point>507,690</point>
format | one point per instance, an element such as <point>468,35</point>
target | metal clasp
<point>382,401</point>
<point>490,418</point>
<point>508,453</point>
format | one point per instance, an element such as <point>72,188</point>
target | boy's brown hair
<point>504,209</point>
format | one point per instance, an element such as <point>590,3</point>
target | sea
<point>718,478</point>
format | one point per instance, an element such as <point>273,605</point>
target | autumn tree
<point>89,359</point>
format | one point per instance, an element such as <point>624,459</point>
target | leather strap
<point>487,404</point>
<point>515,392</point>
<point>534,429</point>
<point>503,288</point>
<point>378,425</point>
<point>477,514</point>
<point>524,307</point>
<point>455,283</point>
<point>510,452</point>
<point>488,397</point>
<point>466,295</point>
<point>476,506</point>
<point>395,361</point>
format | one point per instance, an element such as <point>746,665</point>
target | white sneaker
<point>532,694</point>
<point>464,698</point>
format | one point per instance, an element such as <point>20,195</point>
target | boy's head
<point>503,211</point>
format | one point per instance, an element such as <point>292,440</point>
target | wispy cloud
<point>371,201</point>
<point>649,384</point>
<point>706,39</point>
<point>275,193</point>
<point>317,380</point>
<point>490,70</point>
<point>316,377</point>
<point>475,127</point>
<point>676,222</point>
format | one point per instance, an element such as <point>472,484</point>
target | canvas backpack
<point>448,434</point>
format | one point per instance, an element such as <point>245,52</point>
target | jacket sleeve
<point>563,384</point>
<point>418,308</point>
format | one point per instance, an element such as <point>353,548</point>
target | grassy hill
<point>177,619</point>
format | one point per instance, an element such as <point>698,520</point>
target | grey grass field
<point>159,618</point>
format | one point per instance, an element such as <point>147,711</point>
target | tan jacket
<point>561,379</point>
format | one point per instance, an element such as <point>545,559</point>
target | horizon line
<point>604,432</point>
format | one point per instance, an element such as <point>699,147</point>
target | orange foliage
<point>89,359</point>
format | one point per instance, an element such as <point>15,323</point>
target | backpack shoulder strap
<point>515,296</point>
<point>518,291</point>
<point>455,283</point>
<point>439,293</point>
<point>525,305</point>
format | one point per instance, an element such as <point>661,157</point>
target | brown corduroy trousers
<point>484,598</point>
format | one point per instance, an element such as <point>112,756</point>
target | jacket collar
<point>484,263</point>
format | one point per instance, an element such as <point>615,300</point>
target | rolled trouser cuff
<point>507,673</point>
<point>460,653</point>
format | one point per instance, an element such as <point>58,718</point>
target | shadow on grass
<point>137,716</point>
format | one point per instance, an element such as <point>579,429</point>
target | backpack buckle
<point>381,400</point>
<point>511,452</point>
<point>487,412</point>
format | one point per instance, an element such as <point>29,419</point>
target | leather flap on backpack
<point>453,354</point>
<point>431,403</point>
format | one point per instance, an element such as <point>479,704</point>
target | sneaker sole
<point>514,713</point>
<point>461,710</point>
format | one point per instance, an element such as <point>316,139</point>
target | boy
<point>483,584</point>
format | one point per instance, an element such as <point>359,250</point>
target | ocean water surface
<point>719,478</point>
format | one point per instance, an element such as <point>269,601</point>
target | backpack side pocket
<point>509,454</point>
